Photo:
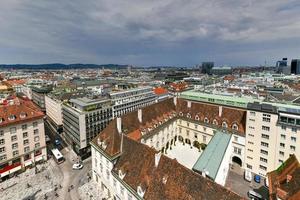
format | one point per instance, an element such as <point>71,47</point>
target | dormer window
<point>196,117</point>
<point>180,114</point>
<point>215,122</point>
<point>23,115</point>
<point>188,115</point>
<point>224,125</point>
<point>140,191</point>
<point>121,174</point>
<point>11,117</point>
<point>235,127</point>
<point>1,120</point>
<point>206,120</point>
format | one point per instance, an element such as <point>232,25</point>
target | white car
<point>77,166</point>
<point>47,138</point>
<point>248,175</point>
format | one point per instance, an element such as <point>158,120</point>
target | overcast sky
<point>149,32</point>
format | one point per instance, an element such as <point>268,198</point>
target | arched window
<point>196,117</point>
<point>215,122</point>
<point>180,114</point>
<point>235,127</point>
<point>224,125</point>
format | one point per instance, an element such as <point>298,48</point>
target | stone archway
<point>237,160</point>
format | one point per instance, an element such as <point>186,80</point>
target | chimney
<point>175,101</point>
<point>119,124</point>
<point>140,115</point>
<point>220,111</point>
<point>157,158</point>
<point>189,104</point>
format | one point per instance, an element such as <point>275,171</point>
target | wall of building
<point>54,110</point>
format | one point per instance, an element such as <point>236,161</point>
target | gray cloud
<point>142,32</point>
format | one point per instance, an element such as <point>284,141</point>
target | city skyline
<point>149,33</point>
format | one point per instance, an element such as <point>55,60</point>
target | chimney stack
<point>140,115</point>
<point>119,124</point>
<point>189,104</point>
<point>175,101</point>
<point>220,111</point>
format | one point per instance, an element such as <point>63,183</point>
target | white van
<point>248,175</point>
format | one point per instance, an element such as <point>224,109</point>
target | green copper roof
<point>211,159</point>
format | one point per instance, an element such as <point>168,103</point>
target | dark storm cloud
<point>172,32</point>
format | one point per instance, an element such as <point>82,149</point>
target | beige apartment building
<point>22,137</point>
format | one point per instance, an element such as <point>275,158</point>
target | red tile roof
<point>160,91</point>
<point>22,112</point>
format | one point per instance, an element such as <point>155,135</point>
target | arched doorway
<point>188,141</point>
<point>180,138</point>
<point>196,144</point>
<point>237,160</point>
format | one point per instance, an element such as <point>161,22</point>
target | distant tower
<point>295,66</point>
<point>129,69</point>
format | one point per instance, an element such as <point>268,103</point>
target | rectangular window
<point>3,157</point>
<point>35,124</point>
<point>264,144</point>
<point>15,153</point>
<point>294,129</point>
<point>2,149</point>
<point>281,153</point>
<point>26,142</point>
<point>24,127</point>
<point>196,126</point>
<point>293,148</point>
<point>37,145</point>
<point>293,139</point>
<point>263,160</point>
<point>1,133</point>
<point>187,132</point>
<point>249,166</point>
<point>36,131</point>
<point>236,138</point>
<point>250,142</point>
<point>14,146</point>
<point>265,119</point>
<point>26,149</point>
<point>249,157</point>
<point>265,136</point>
<point>282,145</point>
<point>283,127</point>
<point>251,135</point>
<point>282,136</point>
<point>13,138</point>
<point>250,150</point>
<point>263,167</point>
<point>237,150</point>
<point>25,135</point>
<point>13,130</point>
<point>264,152</point>
<point>204,138</point>
<point>2,141</point>
<point>252,113</point>
<point>265,128</point>
<point>36,138</point>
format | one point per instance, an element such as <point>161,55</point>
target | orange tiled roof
<point>160,91</point>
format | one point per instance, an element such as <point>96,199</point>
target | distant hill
<point>61,66</point>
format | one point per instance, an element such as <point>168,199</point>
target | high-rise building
<point>281,65</point>
<point>295,66</point>
<point>206,67</point>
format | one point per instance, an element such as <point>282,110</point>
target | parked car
<point>257,178</point>
<point>57,142</point>
<point>248,175</point>
<point>254,195</point>
<point>77,166</point>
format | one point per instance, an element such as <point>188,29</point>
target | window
<point>36,131</point>
<point>122,190</point>
<point>293,139</point>
<point>294,129</point>
<point>37,145</point>
<point>263,167</point>
<point>283,127</point>
<point>251,135</point>
<point>264,152</point>
<point>180,130</point>
<point>237,150</point>
<point>224,125</point>
<point>25,142</point>
<point>36,138</point>
<point>264,144</point>
<point>249,157</point>
<point>24,127</point>
<point>2,149</point>
<point>204,129</point>
<point>1,133</point>
<point>250,150</point>
<point>282,136</point>
<point>281,153</point>
<point>180,121</point>
<point>3,157</point>
<point>196,126</point>
<point>26,149</point>
<point>188,124</point>
<point>249,142</point>
<point>252,113</point>
<point>263,160</point>
<point>15,153</point>
<point>265,119</point>
<point>249,166</point>
<point>115,183</point>
<point>293,148</point>
<point>187,132</point>
<point>235,127</point>
<point>35,124</point>
<point>204,138</point>
<point>2,141</point>
<point>282,145</point>
<point>129,196</point>
<point>195,135</point>
<point>251,127</point>
<point>13,130</point>
<point>14,146</point>
<point>265,136</point>
<point>236,138</point>
<point>265,128</point>
<point>252,120</point>
<point>13,138</point>
<point>25,135</point>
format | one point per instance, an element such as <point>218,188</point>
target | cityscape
<point>149,100</point>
